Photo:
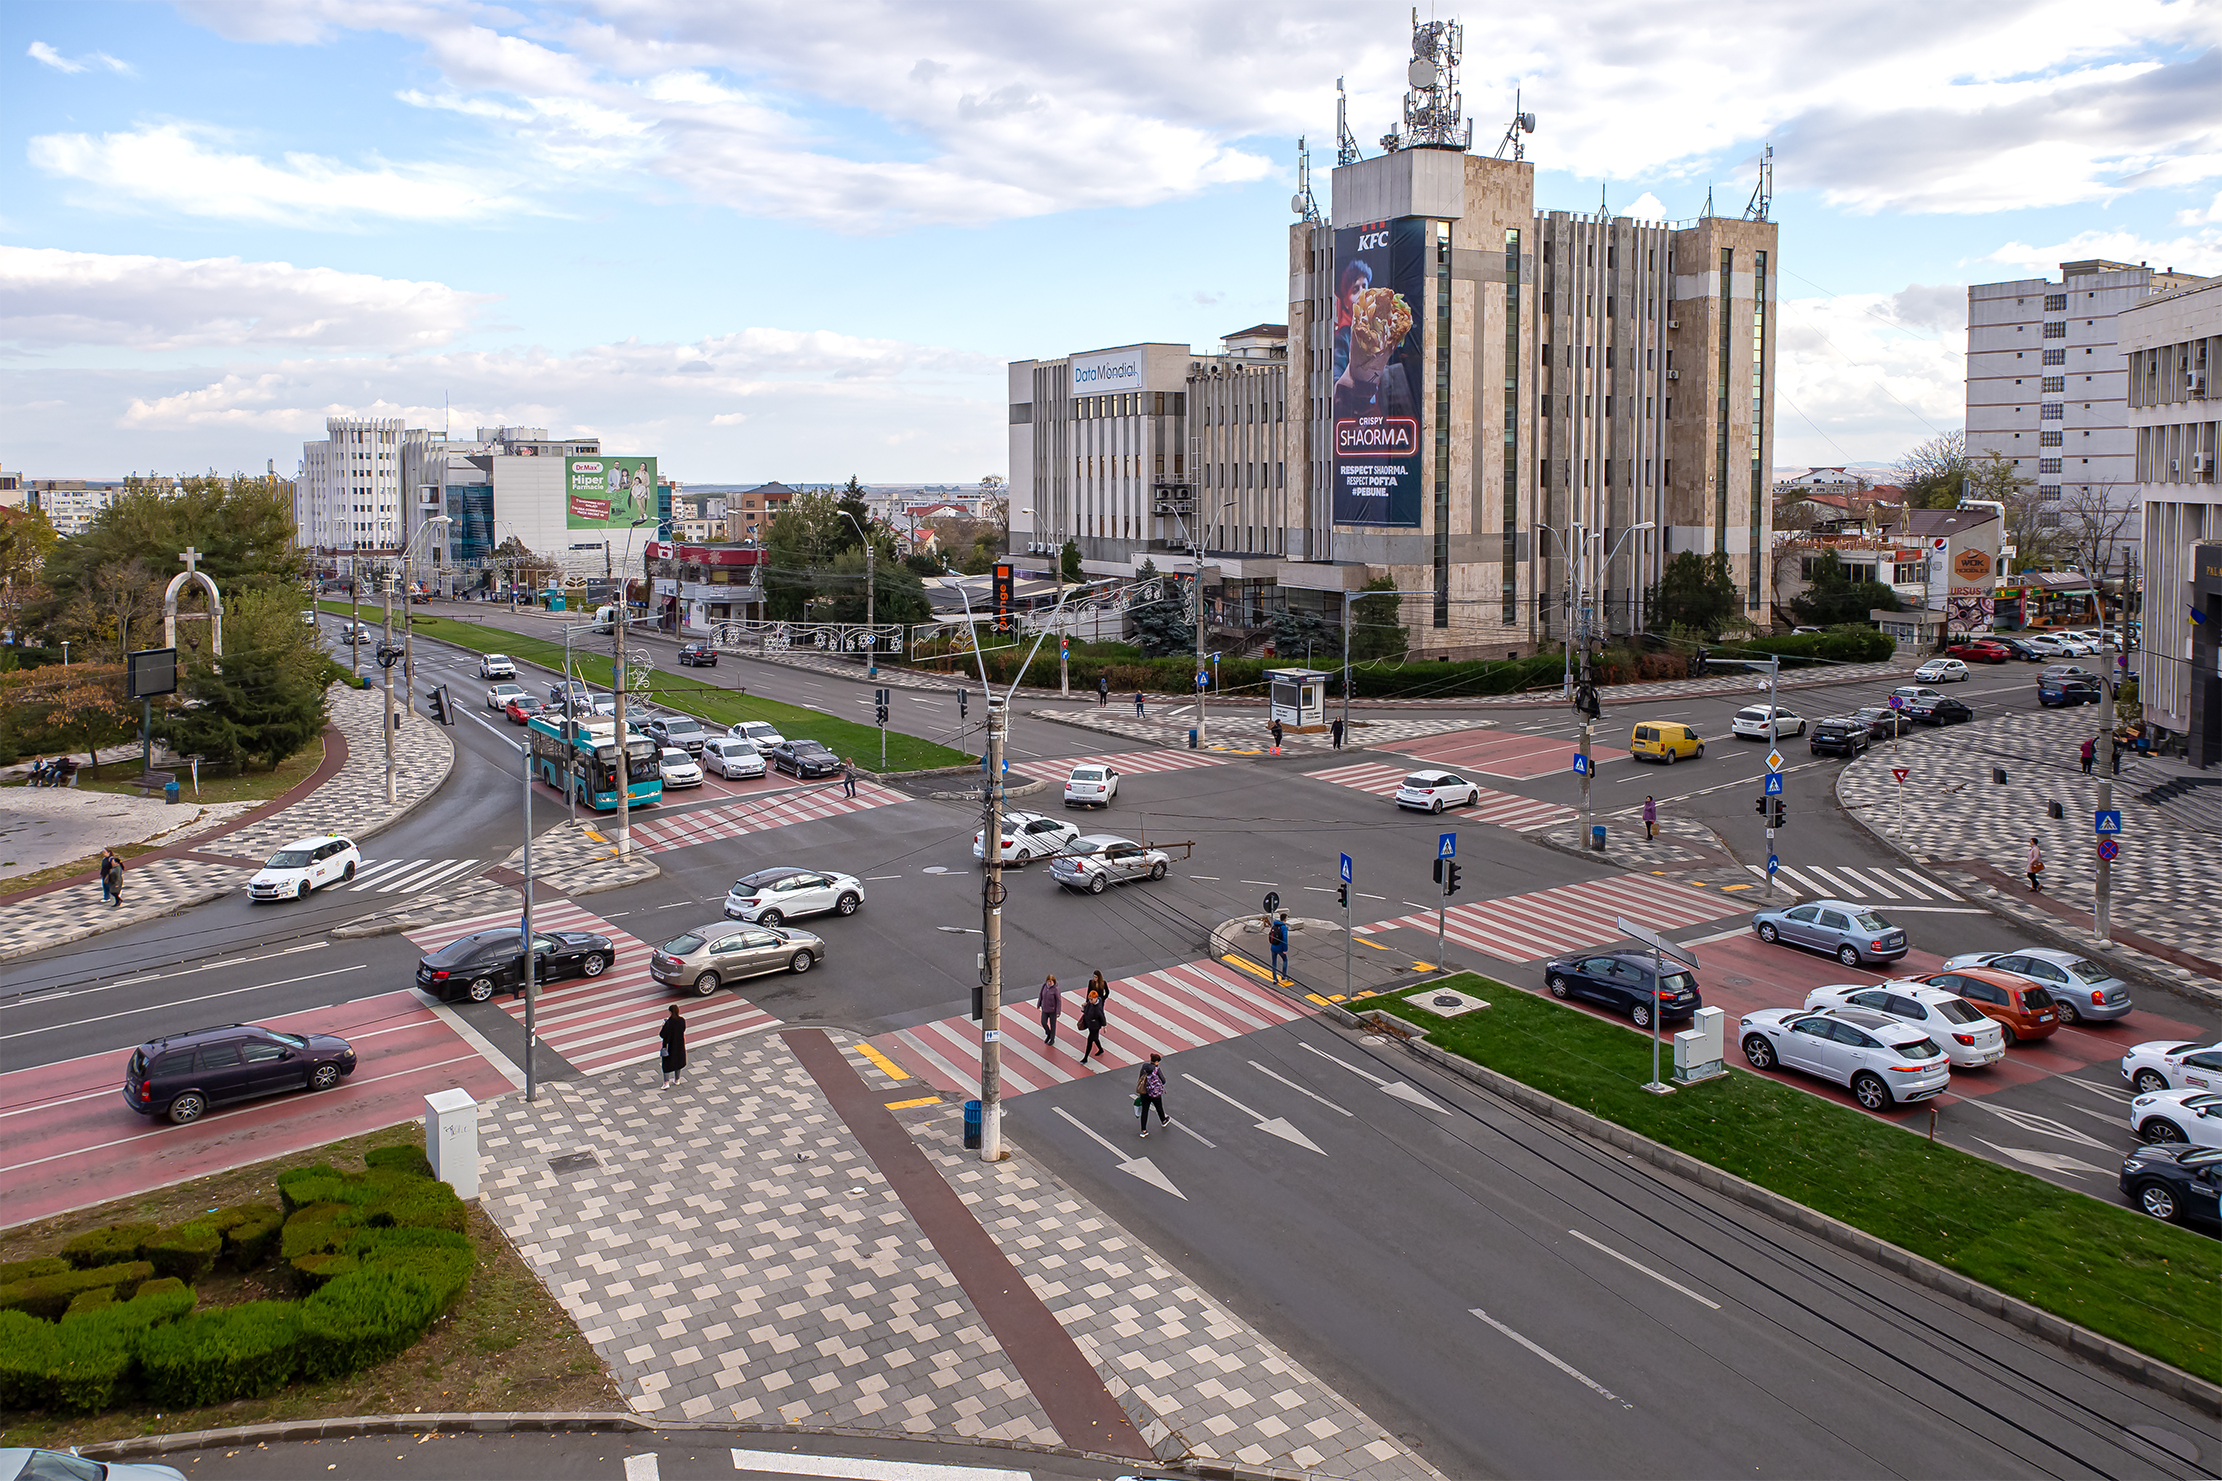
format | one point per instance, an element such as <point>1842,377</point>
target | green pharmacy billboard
<point>604,493</point>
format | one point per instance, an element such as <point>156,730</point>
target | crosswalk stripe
<point>732,820</point>
<point>1499,809</point>
<point>373,868</point>
<point>1938,890</point>
<point>1127,763</point>
<point>1878,884</point>
<point>1569,917</point>
<point>1835,885</point>
<point>1842,881</point>
<point>416,872</point>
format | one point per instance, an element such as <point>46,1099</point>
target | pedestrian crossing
<point>392,876</point>
<point>1523,928</point>
<point>1126,763</point>
<point>1502,809</point>
<point>757,815</point>
<point>1184,1007</point>
<point>1867,884</point>
<point>611,1021</point>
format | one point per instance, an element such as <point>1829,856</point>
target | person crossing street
<point>1050,1000</point>
<point>1103,690</point>
<point>1149,1091</point>
<point>1277,934</point>
<point>1093,1019</point>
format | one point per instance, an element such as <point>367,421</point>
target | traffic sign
<point>1199,678</point>
<point>1581,764</point>
<point>1900,773</point>
<point>1446,846</point>
<point>1774,761</point>
<point>1774,784</point>
<point>1346,868</point>
<point>1773,863</point>
<point>2108,820</point>
<point>1272,901</point>
<point>1897,701</point>
<point>2108,848</point>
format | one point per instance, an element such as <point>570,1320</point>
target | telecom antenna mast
<point>1763,194</point>
<point>1346,144</point>
<point>1302,204</point>
<point>1522,123</point>
<point>1433,111</point>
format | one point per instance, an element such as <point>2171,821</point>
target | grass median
<point>2146,1284</point>
<point>695,696</point>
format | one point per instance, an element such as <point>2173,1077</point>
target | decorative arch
<point>215,611</point>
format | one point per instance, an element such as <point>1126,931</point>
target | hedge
<point>407,1159</point>
<point>441,1258</point>
<point>187,1251</point>
<point>213,1357</point>
<point>85,1301</point>
<point>420,1205</point>
<point>361,1319</point>
<point>319,1229</point>
<point>113,1245</point>
<point>48,1296</point>
<point>27,1348</point>
<point>88,1361</point>
<point>1848,644</point>
<point>310,1272</point>
<point>250,1233</point>
<point>12,1271</point>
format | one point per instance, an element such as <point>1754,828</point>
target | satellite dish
<point>1296,205</point>
<point>1422,74</point>
<point>1527,123</point>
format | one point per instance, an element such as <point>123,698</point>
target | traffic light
<point>1438,871</point>
<point>1342,896</point>
<point>964,697</point>
<point>439,708</point>
<point>1775,817</point>
<point>880,697</point>
<point>1760,807</point>
<point>1450,880</point>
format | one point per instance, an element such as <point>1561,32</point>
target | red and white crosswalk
<point>1522,928</point>
<point>756,815</point>
<point>606,1022</point>
<point>1184,1007</point>
<point>1503,809</point>
<point>1126,763</point>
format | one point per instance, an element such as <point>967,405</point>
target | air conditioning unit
<point>1674,375</point>
<point>1674,323</point>
<point>2202,465</point>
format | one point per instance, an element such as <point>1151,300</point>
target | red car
<point>522,708</point>
<point>1979,650</point>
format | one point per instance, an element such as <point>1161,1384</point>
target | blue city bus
<point>565,751</point>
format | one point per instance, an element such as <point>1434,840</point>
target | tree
<point>1932,471</point>
<point>1295,632</point>
<point>1162,627</point>
<point>2091,525</point>
<point>1992,478</point>
<point>1376,625</point>
<point>264,699</point>
<point>80,707</point>
<point>1695,592</point>
<point>850,501</point>
<point>1068,560</point>
<point>26,540</point>
<point>898,594</point>
<point>106,603</point>
<point>804,538</point>
<point>1834,599</point>
<point>526,568</point>
<point>922,563</point>
<point>242,527</point>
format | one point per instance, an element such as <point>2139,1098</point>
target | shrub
<point>319,1229</point>
<point>250,1233</point>
<point>440,1258</point>
<point>419,1204</point>
<point>113,1245</point>
<point>298,1187</point>
<point>311,1271</point>
<point>48,1296</point>
<point>85,1301</point>
<point>96,1358</point>
<point>408,1160</point>
<point>163,1300</point>
<point>361,1319</point>
<point>213,1357</point>
<point>12,1271</point>
<point>187,1251</point>
<point>28,1349</point>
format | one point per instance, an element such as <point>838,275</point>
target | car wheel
<point>846,905</point>
<point>481,990</point>
<point>1438,807</point>
<point>2161,1129</point>
<point>301,890</point>
<point>187,1107</point>
<point>2150,1082</point>
<point>349,871</point>
<point>1759,1051</point>
<point>324,1077</point>
<point>1668,758</point>
<point>1768,933</point>
<point>770,918</point>
<point>1699,753</point>
<point>595,965</point>
<point>1557,985</point>
<point>1871,1092</point>
<point>801,961</point>
<point>1095,885</point>
<point>2006,1032</point>
<point>1157,871</point>
<point>1641,1015</point>
<point>1848,955</point>
<point>2157,1200</point>
<point>1473,797</point>
<point>2068,1015</point>
<point>706,984</point>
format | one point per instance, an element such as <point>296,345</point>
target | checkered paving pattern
<point>757,815</point>
<point>1522,928</point>
<point>1502,809</point>
<point>1126,763</point>
<point>1183,1007</point>
<point>608,1022</point>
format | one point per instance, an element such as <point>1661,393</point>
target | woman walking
<point>1050,1001</point>
<point>2090,749</point>
<point>2036,863</point>
<point>1149,1090</point>
<point>1096,984</point>
<point>1650,817</point>
<point>1093,1020</point>
<point>674,1036</point>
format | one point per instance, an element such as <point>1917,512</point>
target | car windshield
<point>290,858</point>
<point>682,726</point>
<point>497,658</point>
<point>762,879</point>
<point>294,1039</point>
<point>811,746</point>
<point>2035,997</point>
<point>1869,921</point>
<point>757,728</point>
<point>2088,970</point>
<point>1918,1049</point>
<point>1677,982</point>
<point>1952,1010</point>
<point>676,757</point>
<point>681,945</point>
<point>1087,773</point>
<point>1420,783</point>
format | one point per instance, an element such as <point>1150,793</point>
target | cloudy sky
<point>764,239</point>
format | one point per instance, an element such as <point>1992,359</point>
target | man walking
<point>1137,704</point>
<point>1277,934</point>
<point>1149,1091</point>
<point>848,776</point>
<point>2036,863</point>
<point>1276,737</point>
<point>1103,690</point>
<point>1650,817</point>
<point>674,1037</point>
<point>1335,729</point>
<point>111,878</point>
<point>1093,1019</point>
<point>1049,1001</point>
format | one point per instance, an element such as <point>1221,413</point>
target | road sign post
<point>1347,881</point>
<point>1661,948</point>
<point>2108,849</point>
<point>1446,850</point>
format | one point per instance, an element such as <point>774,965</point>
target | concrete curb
<point>1024,789</point>
<point>2114,1356</point>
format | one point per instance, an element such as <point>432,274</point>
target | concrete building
<point>69,504</point>
<point>2172,342</point>
<point>348,496</point>
<point>2047,382</point>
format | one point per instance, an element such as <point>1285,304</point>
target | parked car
<point>1093,862</point>
<point>1883,722</point>
<point>2173,1064</point>
<point>2177,1182</point>
<point>1942,671</point>
<point>496,666</point>
<point>305,866</point>
<point>1027,836</point>
<point>1664,741</point>
<point>1840,736</point>
<point>1967,1038</point>
<point>1091,786</point>
<point>1939,711</point>
<point>706,958</point>
<point>1881,1060</point>
<point>2058,693</point>
<point>2067,671</point>
<point>2058,645</point>
<point>68,1465</point>
<point>679,769</point>
<point>564,694</point>
<point>1851,933</point>
<point>2015,647</point>
<point>2021,1008</point>
<point>1908,694</point>
<point>1624,982</point>
<point>1752,722</point>
<point>477,965</point>
<point>678,732</point>
<point>758,734</point>
<point>1979,650</point>
<point>2193,1116</point>
<point>785,891</point>
<point>181,1075</point>
<point>1432,791</point>
<point>498,697</point>
<point>522,707</point>
<point>731,757</point>
<point>698,655</point>
<point>804,758</point>
<point>2081,988</point>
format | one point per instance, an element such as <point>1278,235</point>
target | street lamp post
<point>617,687</point>
<point>408,625</point>
<point>872,663</point>
<point>1587,696</point>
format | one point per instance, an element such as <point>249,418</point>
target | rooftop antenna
<point>1708,198</point>
<point>1522,123</point>
<point>1346,144</point>
<point>1302,203</point>
<point>1433,111</point>
<point>1762,194</point>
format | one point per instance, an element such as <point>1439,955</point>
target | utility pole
<point>624,742</point>
<point>1774,743</point>
<point>532,1083</point>
<point>2102,885</point>
<point>991,938</point>
<point>871,635</point>
<point>1196,548</point>
<point>386,646</point>
<point>354,612</point>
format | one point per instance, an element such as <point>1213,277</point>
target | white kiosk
<point>1299,697</point>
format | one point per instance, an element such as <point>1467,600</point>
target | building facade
<point>69,504</point>
<point>348,496</point>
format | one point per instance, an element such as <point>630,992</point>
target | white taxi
<point>305,865</point>
<point>1092,785</point>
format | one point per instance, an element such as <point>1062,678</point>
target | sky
<point>764,240</point>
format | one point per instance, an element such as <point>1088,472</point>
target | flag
<point>2195,617</point>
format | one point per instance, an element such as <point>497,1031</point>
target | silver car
<point>1881,1060</point>
<point>707,957</point>
<point>731,757</point>
<point>1099,859</point>
<point>1851,933</point>
<point>2083,990</point>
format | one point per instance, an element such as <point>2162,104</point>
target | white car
<point>2058,645</point>
<point>1432,791</point>
<point>1882,1060</point>
<point>785,892</point>
<point>1099,860</point>
<point>2173,1064</point>
<point>731,758</point>
<point>308,618</point>
<point>1909,695</point>
<point>1752,720</point>
<point>1093,785</point>
<point>1942,671</point>
<point>1970,1039</point>
<point>2193,1116</point>
<point>758,734</point>
<point>2082,990</point>
<point>496,666</point>
<point>1028,836</point>
<point>498,697</point>
<point>68,1465</point>
<point>679,769</point>
<point>305,865</point>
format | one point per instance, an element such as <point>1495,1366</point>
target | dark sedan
<point>480,964</point>
<point>1622,981</point>
<point>698,655</point>
<point>182,1075</point>
<point>804,758</point>
<point>2177,1182</point>
<point>2019,648</point>
<point>1882,721</point>
<point>2054,693</point>
<point>1939,711</point>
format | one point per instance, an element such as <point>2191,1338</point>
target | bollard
<point>1191,737</point>
<point>451,1140</point>
<point>2053,808</point>
<point>1998,775</point>
<point>972,1125</point>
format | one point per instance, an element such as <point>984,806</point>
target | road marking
<point>1396,1088</point>
<point>1182,1125</point>
<point>1300,1090</point>
<point>888,1067</point>
<point>1726,935</point>
<point>1212,877</point>
<point>1260,973</point>
<point>1271,1126</point>
<point>1140,1167</point>
<point>859,1468</point>
<point>2122,1096</point>
<point>471,1036</point>
<point>1647,1270</point>
<point>2047,1161</point>
<point>875,878</point>
<point>2030,1121</point>
<point>1268,883</point>
<point>1547,1356</point>
<point>181,1002</point>
<point>237,961</point>
<point>905,1105</point>
<point>642,1468</point>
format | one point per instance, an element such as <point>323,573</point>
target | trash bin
<point>972,1125</point>
<point>1597,837</point>
<point>169,792</point>
<point>1191,737</point>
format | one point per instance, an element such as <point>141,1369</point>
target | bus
<point>585,751</point>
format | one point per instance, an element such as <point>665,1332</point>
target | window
<point>2056,331</point>
<point>2053,383</point>
<point>2055,357</point>
<point>2051,411</point>
<point>2055,302</point>
<point>2050,439</point>
<point>2048,465</point>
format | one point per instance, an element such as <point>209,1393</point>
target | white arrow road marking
<point>2040,1125</point>
<point>1300,1090</point>
<point>1396,1088</point>
<point>1182,1125</point>
<point>2110,1093</point>
<point>2114,1119</point>
<point>1547,1356</point>
<point>2049,1161</point>
<point>1647,1270</point>
<point>1273,1126</point>
<point>1140,1167</point>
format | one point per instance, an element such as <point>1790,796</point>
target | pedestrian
<point>2115,752</point>
<point>1092,1019</point>
<point>1137,704</point>
<point>1097,984</point>
<point>2090,746</point>
<point>111,878</point>
<point>1050,1001</point>
<point>1277,934</point>
<point>1103,690</point>
<point>1650,817</point>
<point>674,1037</point>
<point>848,776</point>
<point>2036,863</point>
<point>1276,737</point>
<point>1335,728</point>
<point>1149,1090</point>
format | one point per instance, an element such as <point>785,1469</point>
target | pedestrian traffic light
<point>1438,871</point>
<point>1774,819</point>
<point>1760,807</point>
<point>1450,879</point>
<point>963,698</point>
<point>880,710</point>
<point>1342,896</point>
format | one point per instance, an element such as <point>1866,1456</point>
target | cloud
<point>1854,383</point>
<point>58,298</point>
<point>39,51</point>
<point>2195,252</point>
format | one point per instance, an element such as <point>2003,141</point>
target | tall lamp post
<point>1586,696</point>
<point>872,669</point>
<point>408,625</point>
<point>617,687</point>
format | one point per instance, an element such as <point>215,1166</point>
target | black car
<point>680,732</point>
<point>480,964</point>
<point>2175,1181</point>
<point>2067,671</point>
<point>804,758</point>
<point>1847,736</point>
<point>1622,981</point>
<point>182,1075</point>
<point>697,655</point>
<point>1939,711</point>
<point>2053,693</point>
<point>1882,721</point>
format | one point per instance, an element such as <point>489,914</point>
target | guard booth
<point>1299,697</point>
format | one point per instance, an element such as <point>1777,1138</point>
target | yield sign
<point>1900,773</point>
<point>1774,760</point>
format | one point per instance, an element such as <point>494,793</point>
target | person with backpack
<point>1276,737</point>
<point>1103,690</point>
<point>1149,1090</point>
<point>1277,935</point>
<point>111,877</point>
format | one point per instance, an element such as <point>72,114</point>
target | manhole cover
<point>1446,1000</point>
<point>574,1162</point>
<point>1737,981</point>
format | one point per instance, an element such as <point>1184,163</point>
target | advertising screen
<point>603,493</point>
<point>1378,271</point>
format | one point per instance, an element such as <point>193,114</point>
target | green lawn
<point>2143,1283</point>
<point>696,696</point>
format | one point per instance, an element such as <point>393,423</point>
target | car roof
<point>1865,1017</point>
<point>1833,904</point>
<point>316,840</point>
<point>1099,840</point>
<point>776,871</point>
<point>191,1036</point>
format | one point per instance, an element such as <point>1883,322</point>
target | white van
<point>605,619</point>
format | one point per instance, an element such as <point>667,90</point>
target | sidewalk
<point>41,827</point>
<point>1244,730</point>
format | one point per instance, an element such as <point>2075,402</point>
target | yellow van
<point>1664,741</point>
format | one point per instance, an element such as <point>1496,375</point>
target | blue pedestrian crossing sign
<point>1581,764</point>
<point>1773,863</point>
<point>1446,847</point>
<point>1774,784</point>
<point>2107,821</point>
<point>1199,678</point>
<point>1346,868</point>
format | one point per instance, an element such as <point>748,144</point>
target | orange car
<point>2023,1009</point>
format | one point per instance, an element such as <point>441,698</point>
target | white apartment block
<point>2047,381</point>
<point>349,493</point>
<point>69,504</point>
